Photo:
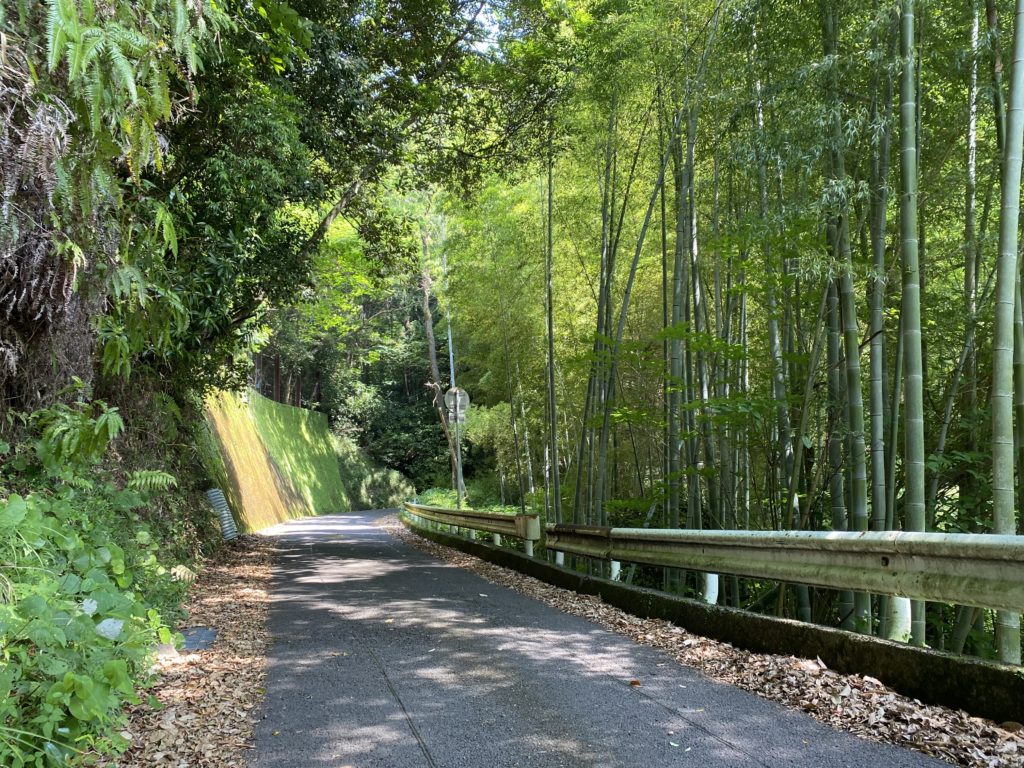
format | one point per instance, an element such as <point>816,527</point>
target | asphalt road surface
<point>381,655</point>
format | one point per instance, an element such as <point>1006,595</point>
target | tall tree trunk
<point>512,407</point>
<point>851,333</point>
<point>972,253</point>
<point>583,505</point>
<point>783,437</point>
<point>667,385</point>
<point>556,492</point>
<point>460,485</point>
<point>879,204</point>
<point>527,453</point>
<point>435,385</point>
<point>676,351</point>
<point>837,493</point>
<point>793,518</point>
<point>914,496</point>
<point>1004,515</point>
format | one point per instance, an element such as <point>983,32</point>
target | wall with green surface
<point>277,462</point>
<point>300,443</point>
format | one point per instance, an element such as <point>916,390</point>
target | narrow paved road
<point>383,656</point>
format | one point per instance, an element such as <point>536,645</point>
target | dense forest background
<point>700,263</point>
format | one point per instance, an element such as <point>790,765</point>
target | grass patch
<point>445,497</point>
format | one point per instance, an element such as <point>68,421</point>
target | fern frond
<point>191,56</point>
<point>160,93</point>
<point>130,41</point>
<point>183,573</point>
<point>56,35</point>
<point>94,88</point>
<point>84,52</point>
<point>165,223</point>
<point>77,481</point>
<point>124,70</point>
<point>180,23</point>
<point>69,16</point>
<point>151,480</point>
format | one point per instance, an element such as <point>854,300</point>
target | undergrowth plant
<point>83,595</point>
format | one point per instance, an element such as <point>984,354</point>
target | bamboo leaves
<point>799,359</point>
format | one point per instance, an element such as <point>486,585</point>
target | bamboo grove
<point>763,274</point>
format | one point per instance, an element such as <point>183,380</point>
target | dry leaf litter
<point>206,699</point>
<point>856,703</point>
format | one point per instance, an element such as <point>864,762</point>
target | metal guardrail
<point>972,569</point>
<point>525,527</point>
<point>980,570</point>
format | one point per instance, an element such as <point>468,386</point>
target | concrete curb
<point>982,688</point>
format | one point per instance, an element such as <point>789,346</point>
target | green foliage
<point>367,486</point>
<point>75,436</point>
<point>445,497</point>
<point>83,593</point>
<point>120,66</point>
<point>151,480</point>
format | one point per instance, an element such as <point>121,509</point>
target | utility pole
<point>458,403</point>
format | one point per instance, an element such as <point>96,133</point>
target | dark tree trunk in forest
<point>434,384</point>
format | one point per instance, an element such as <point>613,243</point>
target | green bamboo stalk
<point>913,462</point>
<point>879,204</point>
<point>1004,515</point>
<point>851,332</point>
<point>556,492</point>
<point>837,495</point>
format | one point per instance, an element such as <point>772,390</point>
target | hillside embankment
<point>279,462</point>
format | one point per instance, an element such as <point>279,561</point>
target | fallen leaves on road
<point>204,716</point>
<point>856,703</point>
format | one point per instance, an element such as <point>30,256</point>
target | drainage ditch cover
<point>198,638</point>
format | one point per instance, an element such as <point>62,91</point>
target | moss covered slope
<point>277,462</point>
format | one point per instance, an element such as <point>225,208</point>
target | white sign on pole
<point>457,400</point>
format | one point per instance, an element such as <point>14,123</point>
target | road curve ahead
<point>381,655</point>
